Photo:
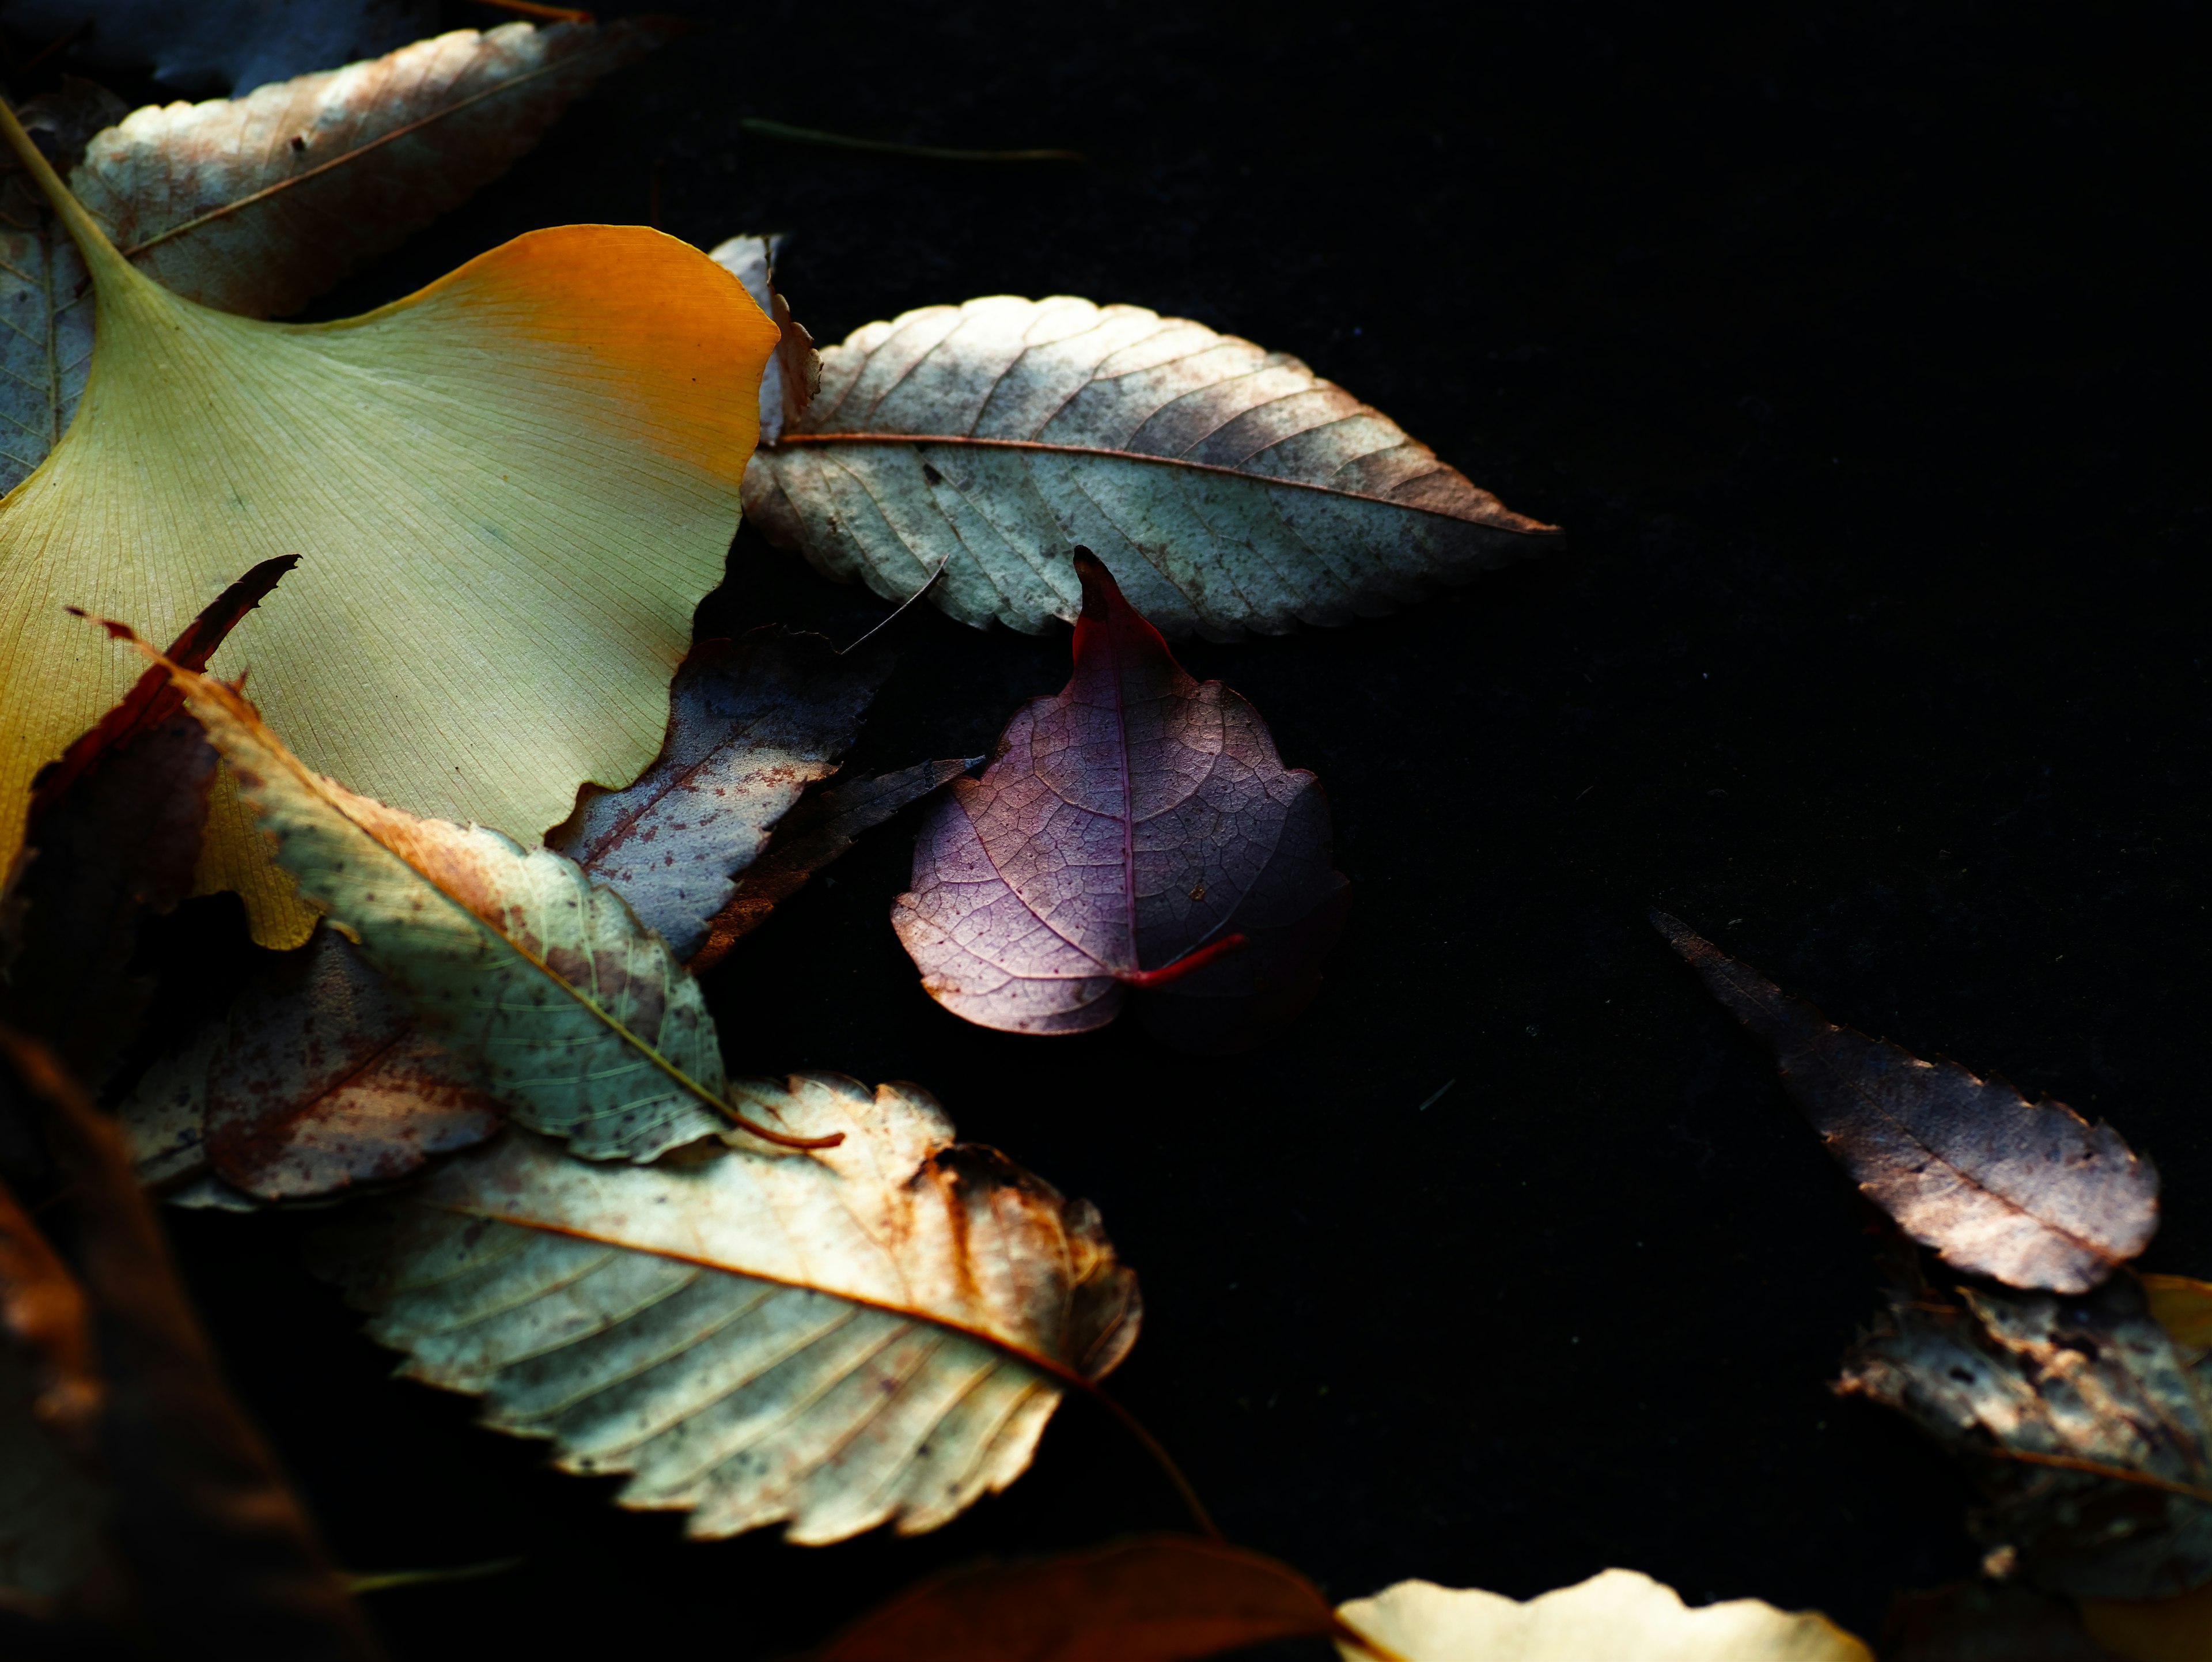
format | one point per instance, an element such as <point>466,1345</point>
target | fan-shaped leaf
<point>1618,1613</point>
<point>2028,1193</point>
<point>873,1333</point>
<point>580,1020</point>
<point>1226,488</point>
<point>509,492</point>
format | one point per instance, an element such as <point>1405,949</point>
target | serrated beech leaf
<point>578,1018</point>
<point>1160,1598</point>
<point>508,491</point>
<point>752,723</point>
<point>1616,1614</point>
<point>1228,489</point>
<point>872,1333</point>
<point>1136,829</point>
<point>2028,1193</point>
<point>2087,1426</point>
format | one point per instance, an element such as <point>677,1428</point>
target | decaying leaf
<point>1159,1599</point>
<point>1227,489</point>
<point>1986,1621</point>
<point>2089,1428</point>
<point>874,1332</point>
<point>213,45</point>
<point>317,1077</point>
<point>211,1550</point>
<point>793,374</point>
<point>113,829</point>
<point>752,723</point>
<point>2182,1306</point>
<point>823,826</point>
<point>2177,1629</point>
<point>577,1018</point>
<point>1136,829</point>
<point>2028,1193</point>
<point>255,205</point>
<point>1616,1614</point>
<point>509,492</point>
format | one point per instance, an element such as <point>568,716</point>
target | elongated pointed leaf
<point>2086,1424</point>
<point>1136,829</point>
<point>507,493</point>
<point>2029,1193</point>
<point>1618,1613</point>
<point>1228,489</point>
<point>752,723</point>
<point>580,1019</point>
<point>873,1333</point>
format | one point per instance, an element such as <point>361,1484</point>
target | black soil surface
<point>1862,352</point>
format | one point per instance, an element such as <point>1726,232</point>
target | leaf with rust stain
<point>1158,1599</point>
<point>752,723</point>
<point>871,1333</point>
<point>577,1017</point>
<point>822,827</point>
<point>2028,1193</point>
<point>2085,1422</point>
<point>1135,830</point>
<point>113,832</point>
<point>183,1533</point>
<point>319,1078</point>
<point>1228,489</point>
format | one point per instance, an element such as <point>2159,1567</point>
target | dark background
<point>1860,350</point>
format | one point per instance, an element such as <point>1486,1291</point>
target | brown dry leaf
<point>1162,1598</point>
<point>2177,1629</point>
<point>2182,1306</point>
<point>875,1332</point>
<point>257,204</point>
<point>2028,1193</point>
<point>1227,488</point>
<point>794,375</point>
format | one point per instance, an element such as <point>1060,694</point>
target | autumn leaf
<point>871,1333</point>
<point>2086,1424</point>
<point>1986,1621</point>
<point>752,723</point>
<point>793,374</point>
<point>317,1077</point>
<point>2028,1193</point>
<point>113,832</point>
<point>212,46</point>
<point>822,827</point>
<point>1227,489</point>
<point>577,1017</point>
<point>257,204</point>
<point>1618,1613</point>
<point>1158,1599</point>
<point>2177,1629</point>
<point>182,1528</point>
<point>509,492</point>
<point>1135,829</point>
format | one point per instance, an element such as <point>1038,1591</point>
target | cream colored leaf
<point>509,492</point>
<point>580,1019</point>
<point>1618,1616</point>
<point>1227,488</point>
<point>875,1332</point>
<point>257,204</point>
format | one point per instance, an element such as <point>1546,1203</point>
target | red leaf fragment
<point>1134,821</point>
<point>1160,1598</point>
<point>2028,1193</point>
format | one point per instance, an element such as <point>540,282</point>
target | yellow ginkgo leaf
<point>508,491</point>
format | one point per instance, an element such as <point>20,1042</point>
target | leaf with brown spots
<point>871,1333</point>
<point>2028,1193</point>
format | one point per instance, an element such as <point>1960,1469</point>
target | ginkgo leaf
<point>256,204</point>
<point>872,1333</point>
<point>578,1019</point>
<point>212,46</point>
<point>1228,489</point>
<point>509,492</point>
<point>2028,1192</point>
<point>2086,1423</point>
<point>1616,1614</point>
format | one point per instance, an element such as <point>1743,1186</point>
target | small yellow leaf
<point>509,492</point>
<point>1617,1615</point>
<point>2182,1307</point>
<point>2160,1630</point>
